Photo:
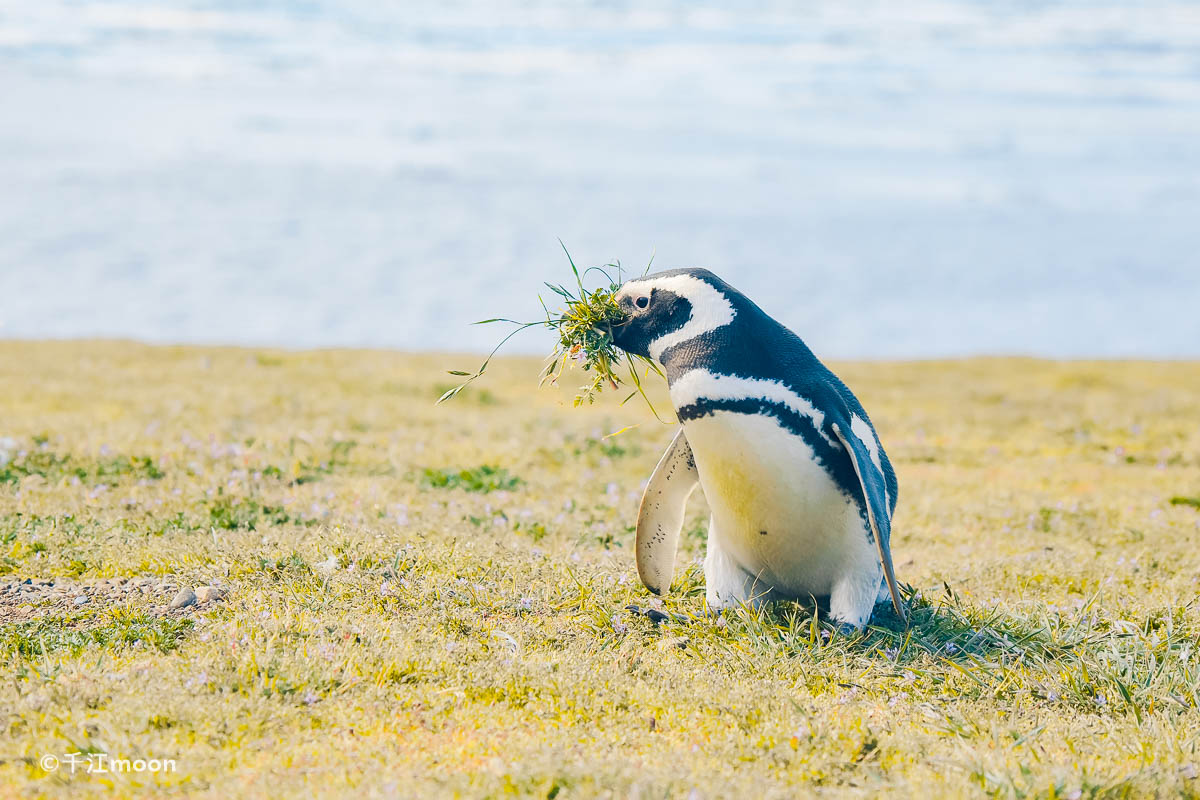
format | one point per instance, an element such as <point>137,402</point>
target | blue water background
<point>890,179</point>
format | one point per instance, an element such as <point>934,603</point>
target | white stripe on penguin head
<point>711,309</point>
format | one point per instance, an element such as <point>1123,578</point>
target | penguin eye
<point>642,302</point>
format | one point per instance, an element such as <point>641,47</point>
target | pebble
<point>507,640</point>
<point>655,615</point>
<point>82,600</point>
<point>672,643</point>
<point>208,594</point>
<point>185,598</point>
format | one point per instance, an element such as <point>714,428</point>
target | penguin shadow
<point>942,626</point>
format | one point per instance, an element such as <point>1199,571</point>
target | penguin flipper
<point>875,494</point>
<point>660,516</point>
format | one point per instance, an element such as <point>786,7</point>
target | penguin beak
<point>619,328</point>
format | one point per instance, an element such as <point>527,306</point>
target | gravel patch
<point>24,599</point>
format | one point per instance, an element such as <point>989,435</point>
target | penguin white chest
<point>775,508</point>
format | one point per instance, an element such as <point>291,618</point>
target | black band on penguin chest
<point>828,456</point>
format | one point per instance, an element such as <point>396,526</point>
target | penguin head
<point>669,308</point>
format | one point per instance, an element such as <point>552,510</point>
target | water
<point>890,180</point>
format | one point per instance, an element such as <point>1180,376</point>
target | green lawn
<point>431,601</point>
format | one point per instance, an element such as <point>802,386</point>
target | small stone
<point>672,642</point>
<point>656,616</point>
<point>82,600</point>
<point>507,640</point>
<point>185,598</point>
<point>208,594</point>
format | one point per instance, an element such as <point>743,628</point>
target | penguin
<point>800,490</point>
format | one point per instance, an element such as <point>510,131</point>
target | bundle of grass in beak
<point>584,326</point>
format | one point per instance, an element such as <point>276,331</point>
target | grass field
<point>427,601</point>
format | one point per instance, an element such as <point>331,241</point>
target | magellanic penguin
<point>799,486</point>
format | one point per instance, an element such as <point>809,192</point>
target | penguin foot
<point>847,630</point>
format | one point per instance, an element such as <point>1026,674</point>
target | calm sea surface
<point>889,179</point>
